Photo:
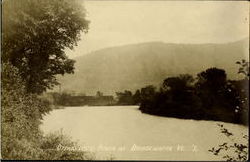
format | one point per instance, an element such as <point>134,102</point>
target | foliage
<point>71,99</point>
<point>99,94</point>
<point>238,98</point>
<point>147,97</point>
<point>182,82</point>
<point>175,98</point>
<point>219,98</point>
<point>179,88</point>
<point>210,86</point>
<point>21,115</point>
<point>212,77</point>
<point>137,97</point>
<point>148,92</point>
<point>209,97</point>
<point>59,146</point>
<point>243,91</point>
<point>244,68</point>
<point>125,98</point>
<point>36,35</point>
<point>61,98</point>
<point>233,151</point>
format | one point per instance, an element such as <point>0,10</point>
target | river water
<point>124,133</point>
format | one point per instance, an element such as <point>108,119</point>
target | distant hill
<point>134,66</point>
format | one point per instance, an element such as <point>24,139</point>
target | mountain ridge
<point>246,39</point>
<point>136,65</point>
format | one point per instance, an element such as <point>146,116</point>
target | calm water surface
<point>124,133</point>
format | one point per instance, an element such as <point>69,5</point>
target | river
<point>124,133</point>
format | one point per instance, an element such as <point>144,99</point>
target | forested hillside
<point>134,66</point>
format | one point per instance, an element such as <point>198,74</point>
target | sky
<point>115,23</point>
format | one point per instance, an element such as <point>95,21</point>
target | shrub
<point>21,114</point>
<point>58,146</point>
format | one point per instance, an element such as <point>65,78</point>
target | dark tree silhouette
<point>178,83</point>
<point>137,97</point>
<point>210,86</point>
<point>35,34</point>
<point>210,97</point>
<point>125,98</point>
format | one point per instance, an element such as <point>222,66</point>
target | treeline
<point>71,99</point>
<point>208,96</point>
<point>128,98</point>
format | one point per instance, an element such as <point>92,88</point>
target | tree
<point>148,92</point>
<point>99,94</point>
<point>147,98</point>
<point>36,35</point>
<point>242,89</point>
<point>210,85</point>
<point>244,68</point>
<point>212,78</point>
<point>180,83</point>
<point>181,99</point>
<point>20,117</point>
<point>239,98</point>
<point>180,88</point>
<point>137,97</point>
<point>125,98</point>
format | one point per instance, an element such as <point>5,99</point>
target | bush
<point>21,116</point>
<point>58,146</point>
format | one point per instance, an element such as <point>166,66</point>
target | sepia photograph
<point>158,80</point>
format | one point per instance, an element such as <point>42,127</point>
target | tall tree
<point>148,92</point>
<point>180,83</point>
<point>35,35</point>
<point>137,97</point>
<point>211,85</point>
